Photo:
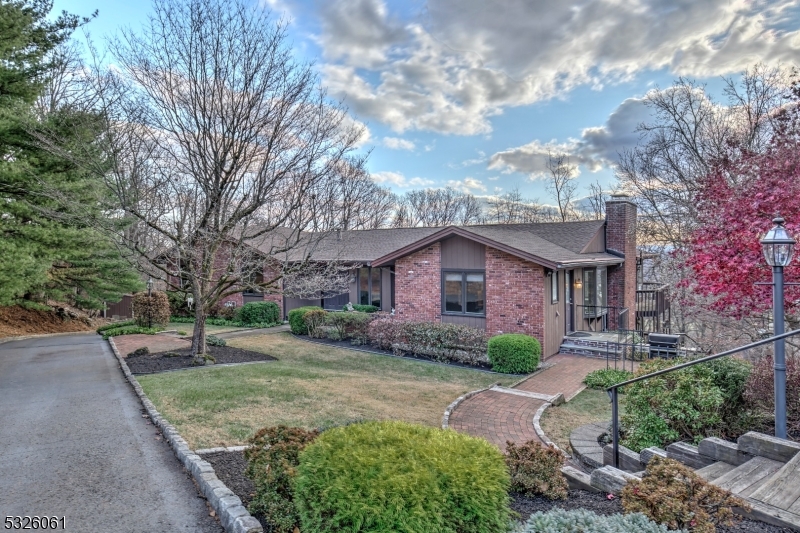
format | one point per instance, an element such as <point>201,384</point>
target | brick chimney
<point>621,241</point>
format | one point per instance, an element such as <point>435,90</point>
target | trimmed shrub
<point>398,477</point>
<point>562,521</point>
<point>384,333</point>
<point>365,308</point>
<point>674,495</point>
<point>254,313</point>
<point>514,353</point>
<point>700,401</point>
<point>221,311</point>
<point>153,309</point>
<point>182,319</point>
<point>115,325</point>
<point>760,391</point>
<point>272,465</point>
<point>213,340</point>
<point>348,325</point>
<point>130,330</point>
<point>296,321</point>
<point>603,379</point>
<point>315,320</point>
<point>536,470</point>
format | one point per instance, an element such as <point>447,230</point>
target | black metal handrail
<point>613,390</point>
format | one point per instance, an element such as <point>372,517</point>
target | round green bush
<point>257,313</point>
<point>514,353</point>
<point>296,321</point>
<point>402,478</point>
<point>606,377</point>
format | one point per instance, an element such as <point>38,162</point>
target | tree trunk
<point>199,335</point>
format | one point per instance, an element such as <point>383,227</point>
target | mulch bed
<point>230,468</point>
<point>178,359</point>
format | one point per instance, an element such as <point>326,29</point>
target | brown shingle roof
<point>547,243</point>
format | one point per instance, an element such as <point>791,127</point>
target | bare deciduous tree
<point>562,184</point>
<point>436,207</point>
<point>220,144</point>
<point>512,208</point>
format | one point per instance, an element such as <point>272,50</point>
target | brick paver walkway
<point>499,416</point>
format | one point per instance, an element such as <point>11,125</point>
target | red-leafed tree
<point>736,203</point>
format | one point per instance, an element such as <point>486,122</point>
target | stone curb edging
<point>540,432</point>
<point>232,514</point>
<point>223,449</point>
<point>452,406</point>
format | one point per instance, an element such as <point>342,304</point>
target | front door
<point>570,296</point>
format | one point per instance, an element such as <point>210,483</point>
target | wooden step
<point>783,488</point>
<point>742,478</point>
<point>713,471</point>
<point>768,446</point>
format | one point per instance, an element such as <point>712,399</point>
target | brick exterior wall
<point>418,285</point>
<point>621,239</point>
<point>514,295</point>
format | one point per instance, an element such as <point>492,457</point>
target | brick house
<point>545,280</point>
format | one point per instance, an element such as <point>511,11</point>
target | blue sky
<point>473,93</point>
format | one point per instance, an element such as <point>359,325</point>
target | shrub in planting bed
<point>760,392</point>
<point>351,325</point>
<point>514,353</point>
<point>315,320</point>
<point>674,495</point>
<point>272,465</point>
<point>536,470</point>
<point>253,313</point>
<point>580,520</point>
<point>177,303</point>
<point>700,401</point>
<point>606,377</point>
<point>129,330</point>
<point>404,478</point>
<point>213,340</point>
<point>296,321</point>
<point>365,308</point>
<point>115,325</point>
<point>442,342</point>
<point>153,309</point>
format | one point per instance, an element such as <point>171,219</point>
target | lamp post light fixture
<point>778,247</point>
<point>149,302</point>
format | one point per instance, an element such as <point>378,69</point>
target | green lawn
<point>587,407</point>
<point>311,385</point>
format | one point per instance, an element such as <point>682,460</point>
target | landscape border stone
<point>454,404</point>
<point>228,507</point>
<point>583,441</point>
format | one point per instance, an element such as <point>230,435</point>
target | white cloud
<point>463,61</point>
<point>399,180</point>
<point>468,185</point>
<point>597,147</point>
<point>396,143</point>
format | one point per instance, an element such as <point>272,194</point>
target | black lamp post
<point>778,247</point>
<point>149,303</point>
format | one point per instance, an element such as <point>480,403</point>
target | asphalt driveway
<point>73,443</point>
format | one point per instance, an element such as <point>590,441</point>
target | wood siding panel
<point>386,289</point>
<point>598,243</point>
<point>554,317</point>
<point>294,303</point>
<point>472,321</point>
<point>458,252</point>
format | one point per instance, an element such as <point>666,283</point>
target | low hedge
<point>365,308</point>
<point>397,477</point>
<point>258,313</point>
<point>130,330</point>
<point>352,325</point>
<point>115,325</point>
<point>296,321</point>
<point>563,521</point>
<point>514,353</point>
<point>441,342</point>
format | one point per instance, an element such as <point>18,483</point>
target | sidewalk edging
<point>232,514</point>
<point>452,406</point>
<point>540,432</point>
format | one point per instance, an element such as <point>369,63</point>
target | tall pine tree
<point>48,249</point>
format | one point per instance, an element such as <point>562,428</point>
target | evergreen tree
<point>48,248</point>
